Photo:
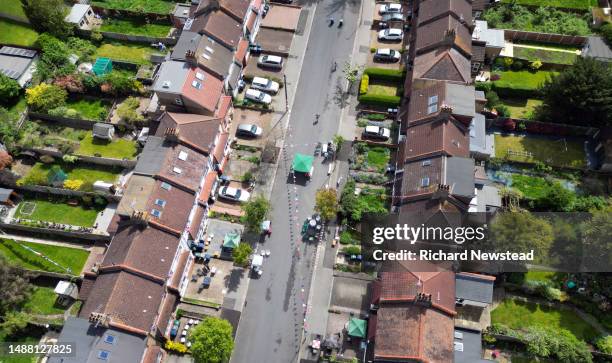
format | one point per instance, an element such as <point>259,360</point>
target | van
<point>270,61</point>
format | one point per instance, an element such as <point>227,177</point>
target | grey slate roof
<point>473,289</point>
<point>90,341</point>
<point>461,98</point>
<point>468,347</point>
<point>15,61</point>
<point>493,37</point>
<point>598,49</point>
<point>152,156</point>
<point>171,77</point>
<point>187,41</point>
<point>480,142</point>
<point>5,194</point>
<point>460,176</point>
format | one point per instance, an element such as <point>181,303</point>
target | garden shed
<point>103,131</point>
<point>102,66</point>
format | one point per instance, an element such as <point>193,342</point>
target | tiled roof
<point>236,8</point>
<point>177,205</point>
<point>241,51</point>
<point>429,98</point>
<point>443,64</point>
<point>195,222</point>
<point>127,298</point>
<point>208,185</point>
<point>213,57</point>
<point>224,107</point>
<point>149,250</point>
<point>404,286</point>
<point>203,89</point>
<point>420,178</point>
<point>183,167</point>
<point>220,26</point>
<point>250,24</point>
<point>438,137</point>
<point>197,130</point>
<point>220,147</point>
<point>168,306</point>
<point>444,31</point>
<point>432,9</point>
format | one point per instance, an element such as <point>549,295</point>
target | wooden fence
<point>171,40</point>
<point>520,35</point>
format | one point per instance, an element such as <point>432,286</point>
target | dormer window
<point>425,182</point>
<point>432,104</point>
<point>156,213</point>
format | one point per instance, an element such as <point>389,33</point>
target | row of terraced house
<point>421,311</point>
<point>131,294</point>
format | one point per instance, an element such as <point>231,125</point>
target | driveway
<point>261,119</point>
<point>281,17</point>
<point>275,41</point>
<point>252,69</point>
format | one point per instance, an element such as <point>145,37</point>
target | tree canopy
<point>54,60</point>
<point>211,341</point>
<point>255,212</point>
<point>241,254</point>
<point>520,231</point>
<point>580,95</point>
<point>326,203</point>
<point>9,88</point>
<point>45,97</point>
<point>48,16</point>
<point>597,237</point>
<point>14,287</point>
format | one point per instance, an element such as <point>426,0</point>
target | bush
<point>372,50</point>
<point>365,82</point>
<point>70,158</point>
<point>47,159</point>
<point>492,99</point>
<point>45,97</point>
<point>385,74</point>
<point>362,122</point>
<point>351,250</point>
<point>502,111</point>
<point>604,344</point>
<point>507,62</point>
<point>517,65</point>
<point>514,91</point>
<point>175,347</point>
<point>535,65</point>
<point>247,177</point>
<point>483,86</point>
<point>380,100</point>
<point>376,116</point>
<point>346,238</point>
<point>73,184</point>
<point>9,88</point>
<point>128,111</point>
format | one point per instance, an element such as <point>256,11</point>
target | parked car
<point>258,96</point>
<point>264,84</point>
<point>391,34</point>
<point>392,17</point>
<point>377,132</point>
<point>390,8</point>
<point>282,1</point>
<point>270,61</point>
<point>387,55</point>
<point>234,194</point>
<point>248,130</point>
<point>175,328</point>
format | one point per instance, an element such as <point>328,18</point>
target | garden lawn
<point>532,187</point>
<point>563,4</point>
<point>72,258</point>
<point>146,6</point>
<point>521,108</point>
<point>89,109</point>
<point>375,198</point>
<point>378,157</point>
<point>12,7</point>
<point>135,53</point>
<point>15,33</point>
<point>554,278</point>
<point>382,89</point>
<point>42,302</point>
<point>548,151</point>
<point>89,175</point>
<point>545,55</point>
<point>136,26</point>
<point>58,212</point>
<point>519,315</point>
<point>117,148</point>
<point>522,79</point>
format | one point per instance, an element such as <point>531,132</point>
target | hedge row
<point>365,82</point>
<point>385,74</point>
<point>380,100</point>
<point>513,91</point>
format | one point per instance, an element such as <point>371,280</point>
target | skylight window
<point>458,346</point>
<point>177,170</point>
<point>197,85</point>
<point>209,49</point>
<point>166,186</point>
<point>183,155</point>
<point>432,104</point>
<point>156,213</point>
<point>110,339</point>
<point>103,354</point>
<point>425,182</point>
<point>205,56</point>
<point>160,202</point>
<point>200,76</point>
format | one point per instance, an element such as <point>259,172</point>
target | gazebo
<point>356,328</point>
<point>231,241</point>
<point>302,164</point>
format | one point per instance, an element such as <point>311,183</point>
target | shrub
<point>385,74</point>
<point>604,344</point>
<point>58,111</point>
<point>507,62</point>
<point>175,347</point>
<point>483,86</point>
<point>513,91</point>
<point>9,88</point>
<point>492,99</point>
<point>47,159</point>
<point>502,111</point>
<point>128,111</point>
<point>362,122</point>
<point>351,250</point>
<point>73,184</point>
<point>380,100</point>
<point>70,158</point>
<point>346,238</point>
<point>372,50</point>
<point>535,65</point>
<point>45,97</point>
<point>365,82</point>
<point>247,177</point>
<point>376,116</point>
<point>517,65</point>
<point>520,126</point>
<point>241,254</point>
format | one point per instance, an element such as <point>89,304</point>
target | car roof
<point>260,80</point>
<point>245,126</point>
<point>372,128</point>
<point>253,91</point>
<point>395,31</point>
<point>384,51</point>
<point>273,58</point>
<point>230,190</point>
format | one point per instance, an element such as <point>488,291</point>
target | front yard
<point>71,258</point>
<point>529,149</point>
<point>521,108</point>
<point>129,52</point>
<point>136,26</point>
<point>38,175</point>
<point>520,315</point>
<point>381,87</point>
<point>57,211</point>
<point>117,148</point>
<point>15,33</point>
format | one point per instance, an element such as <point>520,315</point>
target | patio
<point>211,296</point>
<point>215,236</point>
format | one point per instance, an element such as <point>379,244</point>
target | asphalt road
<point>272,321</point>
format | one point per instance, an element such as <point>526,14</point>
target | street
<point>271,324</point>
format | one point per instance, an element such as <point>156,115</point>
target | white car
<point>377,132</point>
<point>264,84</point>
<point>270,61</point>
<point>387,55</point>
<point>391,34</point>
<point>390,8</point>
<point>234,194</point>
<point>258,96</point>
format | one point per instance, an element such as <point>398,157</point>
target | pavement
<point>272,321</point>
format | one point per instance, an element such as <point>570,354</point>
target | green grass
<point>89,175</point>
<point>15,33</point>
<point>201,302</point>
<point>42,302</point>
<point>27,339</point>
<point>12,7</point>
<point>117,148</point>
<point>521,108</point>
<point>548,151</point>
<point>564,4</point>
<point>378,157</point>
<point>382,89</point>
<point>135,53</point>
<point>554,278</point>
<point>147,6</point>
<point>89,108</point>
<point>554,47</point>
<point>545,55</point>
<point>375,198</point>
<point>523,79</point>
<point>59,212</point>
<point>137,26</point>
<point>72,258</point>
<point>519,315</point>
<point>532,187</point>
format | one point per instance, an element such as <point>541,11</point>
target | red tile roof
<point>224,107</point>
<point>447,136</point>
<point>444,31</point>
<point>209,92</point>
<point>256,4</point>
<point>241,51</point>
<point>175,280</point>
<point>177,205</point>
<point>219,25</point>
<point>219,151</point>
<point>183,173</point>
<point>443,64</point>
<point>404,286</point>
<point>250,24</point>
<point>152,354</point>
<point>195,222</point>
<point>197,130</point>
<point>432,9</point>
<point>211,178</point>
<point>167,308</point>
<point>236,8</point>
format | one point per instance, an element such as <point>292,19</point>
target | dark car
<point>392,17</point>
<point>282,1</point>
<point>248,130</point>
<point>387,55</point>
<point>175,328</point>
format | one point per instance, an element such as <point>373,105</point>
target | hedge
<point>380,100</point>
<point>513,91</point>
<point>385,74</point>
<point>365,82</point>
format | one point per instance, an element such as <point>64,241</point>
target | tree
<point>9,88</point>
<point>557,199</point>
<point>119,83</point>
<point>9,132</point>
<point>597,240</point>
<point>338,141</point>
<point>241,254</point>
<point>606,32</point>
<point>255,212</point>
<point>128,111</point>
<point>520,231</point>
<point>54,61</point>
<point>211,341</point>
<point>14,287</point>
<point>14,322</point>
<point>48,16</point>
<point>71,83</point>
<point>45,97</point>
<point>604,344</point>
<point>580,95</point>
<point>350,72</point>
<point>326,203</point>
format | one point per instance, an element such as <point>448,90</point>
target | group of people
<point>331,22</point>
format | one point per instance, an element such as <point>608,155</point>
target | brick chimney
<point>442,192</point>
<point>190,58</point>
<point>449,37</point>
<point>172,134</point>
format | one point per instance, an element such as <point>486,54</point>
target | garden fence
<point>130,37</point>
<point>75,123</point>
<point>127,164</point>
<point>64,192</point>
<point>514,35</point>
<point>55,232</point>
<point>548,128</point>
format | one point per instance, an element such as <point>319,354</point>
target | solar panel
<point>19,52</point>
